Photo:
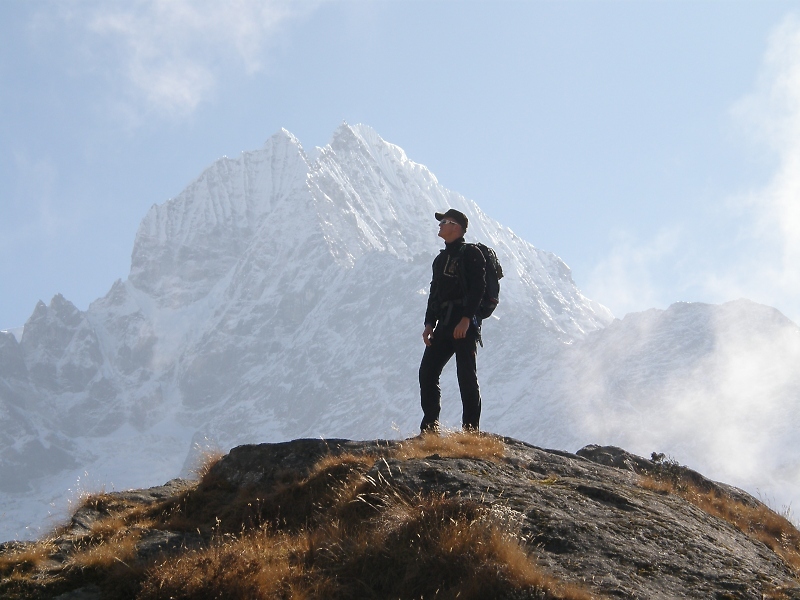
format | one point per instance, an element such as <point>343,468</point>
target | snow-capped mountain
<point>281,295</point>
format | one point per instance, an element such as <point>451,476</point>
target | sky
<point>653,145</point>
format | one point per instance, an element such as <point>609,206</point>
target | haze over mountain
<point>281,295</point>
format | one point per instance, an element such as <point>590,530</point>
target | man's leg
<point>466,351</point>
<point>430,369</point>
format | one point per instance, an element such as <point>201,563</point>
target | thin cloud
<point>622,280</point>
<point>771,116</point>
<point>33,197</point>
<point>171,53</point>
<point>763,263</point>
<point>726,391</point>
<point>716,387</point>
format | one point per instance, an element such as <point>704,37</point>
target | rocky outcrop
<point>588,518</point>
<point>585,516</point>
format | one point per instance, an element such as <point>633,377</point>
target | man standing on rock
<point>451,324</point>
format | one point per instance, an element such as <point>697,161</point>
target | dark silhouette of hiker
<point>451,324</point>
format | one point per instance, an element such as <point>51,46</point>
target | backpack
<point>494,273</point>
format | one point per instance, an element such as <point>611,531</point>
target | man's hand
<point>427,335</point>
<point>460,332</point>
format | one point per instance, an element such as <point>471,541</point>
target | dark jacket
<point>458,266</point>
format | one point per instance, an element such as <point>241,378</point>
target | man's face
<point>449,230</point>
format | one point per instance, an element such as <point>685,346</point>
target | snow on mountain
<point>277,296</point>
<point>281,295</point>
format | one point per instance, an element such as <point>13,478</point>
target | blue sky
<point>653,145</point>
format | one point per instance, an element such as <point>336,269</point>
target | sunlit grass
<point>456,444</point>
<point>26,559</point>
<point>413,548</point>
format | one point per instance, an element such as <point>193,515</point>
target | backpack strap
<point>462,274</point>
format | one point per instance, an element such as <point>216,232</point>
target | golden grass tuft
<point>257,565</point>
<point>414,548</point>
<point>456,444</point>
<point>332,465</point>
<point>759,522</point>
<point>26,559</point>
<point>120,514</point>
<point>119,548</point>
<point>207,459</point>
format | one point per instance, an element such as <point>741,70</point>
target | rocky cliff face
<point>601,523</point>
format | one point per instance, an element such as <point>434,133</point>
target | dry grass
<point>121,513</point>
<point>254,566</point>
<point>291,505</point>
<point>207,459</point>
<point>457,444</point>
<point>656,484</point>
<point>418,548</point>
<point>758,522</point>
<point>119,548</point>
<point>334,483</point>
<point>25,559</point>
<point>105,554</point>
<point>335,534</point>
<point>448,547</point>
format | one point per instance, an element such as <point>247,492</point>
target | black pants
<point>436,356</point>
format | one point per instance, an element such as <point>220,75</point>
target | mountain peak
<point>287,135</point>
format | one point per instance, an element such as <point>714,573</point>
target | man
<point>451,324</point>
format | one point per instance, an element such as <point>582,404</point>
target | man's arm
<point>427,335</point>
<point>460,332</point>
<point>430,311</point>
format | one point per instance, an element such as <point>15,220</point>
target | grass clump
<point>297,502</point>
<point>759,522</point>
<point>25,558</point>
<point>336,534</point>
<point>422,547</point>
<point>457,444</point>
<point>103,554</point>
<point>255,565</point>
<point>97,555</point>
<point>208,457</point>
